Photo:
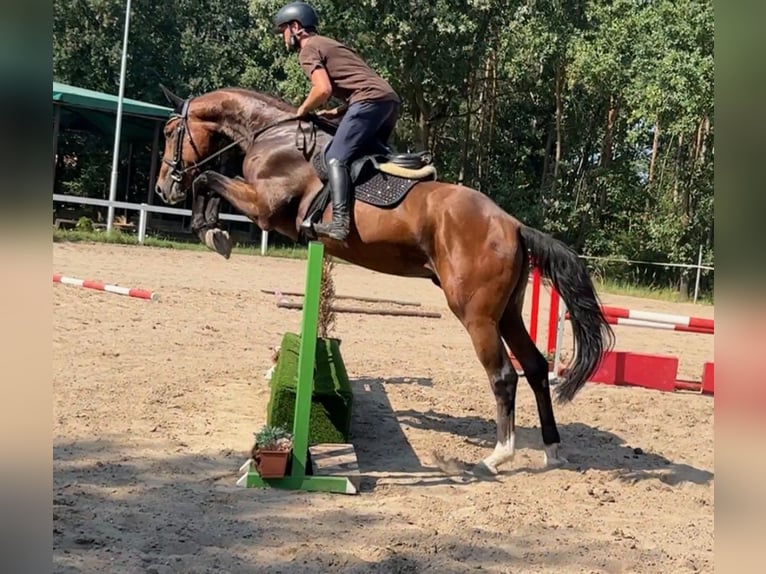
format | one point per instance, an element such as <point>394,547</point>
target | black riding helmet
<point>299,12</point>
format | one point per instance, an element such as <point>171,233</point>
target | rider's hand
<point>331,113</point>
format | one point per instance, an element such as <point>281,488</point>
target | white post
<point>56,124</point>
<point>142,224</point>
<point>699,270</point>
<point>264,241</point>
<point>559,338</point>
<point>118,126</point>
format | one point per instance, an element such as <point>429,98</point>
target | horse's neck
<point>241,116</point>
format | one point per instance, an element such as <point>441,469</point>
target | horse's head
<point>188,140</point>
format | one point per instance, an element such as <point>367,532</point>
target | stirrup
<point>333,229</point>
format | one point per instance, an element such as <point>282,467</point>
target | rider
<point>369,112</point>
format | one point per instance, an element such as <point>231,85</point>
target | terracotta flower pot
<point>271,463</point>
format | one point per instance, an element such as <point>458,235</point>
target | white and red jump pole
<point>619,367</point>
<point>651,319</point>
<point>641,318</point>
<point>99,286</point>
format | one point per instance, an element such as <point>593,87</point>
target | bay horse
<point>477,253</point>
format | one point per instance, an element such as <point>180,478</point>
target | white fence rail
<point>699,266</point>
<point>144,208</point>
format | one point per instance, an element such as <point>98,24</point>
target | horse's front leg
<point>205,209</point>
<point>239,193</point>
<point>209,187</point>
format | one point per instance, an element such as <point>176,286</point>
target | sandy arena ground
<point>155,404</point>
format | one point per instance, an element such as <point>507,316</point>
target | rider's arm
<point>321,90</point>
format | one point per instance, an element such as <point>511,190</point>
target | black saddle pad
<point>372,186</point>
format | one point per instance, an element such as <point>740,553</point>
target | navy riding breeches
<point>364,125</point>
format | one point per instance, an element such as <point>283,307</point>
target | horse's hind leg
<point>502,380</point>
<point>478,315</point>
<point>535,369</point>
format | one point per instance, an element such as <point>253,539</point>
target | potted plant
<point>271,450</point>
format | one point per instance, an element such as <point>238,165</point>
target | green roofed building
<point>92,116</point>
<point>88,110</point>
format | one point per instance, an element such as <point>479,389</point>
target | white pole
<point>118,126</point>
<point>56,125</point>
<point>559,340</point>
<point>264,241</point>
<point>142,224</point>
<point>699,270</point>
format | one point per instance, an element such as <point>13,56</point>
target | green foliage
<point>84,224</point>
<point>273,438</point>
<point>593,120</point>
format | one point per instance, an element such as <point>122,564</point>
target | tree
<point>593,119</point>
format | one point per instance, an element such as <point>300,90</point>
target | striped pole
<point>535,303</point>
<point>682,320</point>
<point>612,320</point>
<point>553,320</point>
<point>99,286</point>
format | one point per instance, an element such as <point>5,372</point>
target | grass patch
<point>657,293</point>
<point>119,238</point>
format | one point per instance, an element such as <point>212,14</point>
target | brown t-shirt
<point>352,79</point>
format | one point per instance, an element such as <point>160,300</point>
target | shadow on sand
<point>377,426</point>
<point>116,509</point>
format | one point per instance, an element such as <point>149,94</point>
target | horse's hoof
<point>219,241</point>
<point>484,468</point>
<point>552,457</point>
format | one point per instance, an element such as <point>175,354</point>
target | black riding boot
<point>340,186</point>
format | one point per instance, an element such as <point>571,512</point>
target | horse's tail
<point>592,334</point>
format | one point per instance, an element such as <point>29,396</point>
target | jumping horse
<point>410,224</point>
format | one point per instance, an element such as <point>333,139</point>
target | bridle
<point>177,168</point>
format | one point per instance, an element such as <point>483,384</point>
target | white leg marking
<point>552,456</point>
<point>503,452</point>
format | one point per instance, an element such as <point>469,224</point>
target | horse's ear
<point>172,98</point>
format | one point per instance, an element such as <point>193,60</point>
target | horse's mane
<point>330,126</point>
<point>266,98</point>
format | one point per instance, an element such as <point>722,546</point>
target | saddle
<point>380,178</point>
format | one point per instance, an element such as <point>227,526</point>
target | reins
<point>179,172</point>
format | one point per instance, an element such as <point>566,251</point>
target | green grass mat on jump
<point>331,400</point>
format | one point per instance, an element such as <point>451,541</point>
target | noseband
<point>177,168</point>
